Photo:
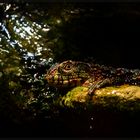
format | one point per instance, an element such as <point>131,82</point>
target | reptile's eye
<point>68,67</point>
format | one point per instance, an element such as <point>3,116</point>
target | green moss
<point>122,98</point>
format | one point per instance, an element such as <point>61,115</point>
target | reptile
<point>70,74</point>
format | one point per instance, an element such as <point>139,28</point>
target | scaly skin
<point>74,73</point>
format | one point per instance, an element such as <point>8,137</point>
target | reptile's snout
<point>51,72</point>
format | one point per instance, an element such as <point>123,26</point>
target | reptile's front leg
<point>98,84</point>
<point>93,85</point>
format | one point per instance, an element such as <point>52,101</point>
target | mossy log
<point>121,98</point>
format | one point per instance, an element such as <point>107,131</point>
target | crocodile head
<point>68,74</point>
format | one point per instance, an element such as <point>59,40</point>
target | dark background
<point>109,34</point>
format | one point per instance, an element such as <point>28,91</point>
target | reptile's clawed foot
<point>97,85</point>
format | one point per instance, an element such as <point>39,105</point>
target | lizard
<point>70,74</point>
